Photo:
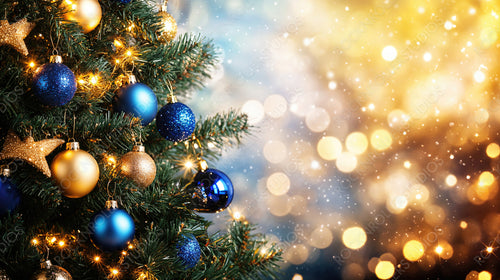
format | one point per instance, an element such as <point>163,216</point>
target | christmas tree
<point>118,200</point>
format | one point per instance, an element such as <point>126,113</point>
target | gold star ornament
<point>13,34</point>
<point>30,151</point>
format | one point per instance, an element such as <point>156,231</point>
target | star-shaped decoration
<point>14,34</point>
<point>29,150</point>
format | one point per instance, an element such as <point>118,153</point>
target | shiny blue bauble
<point>138,100</point>
<point>123,1</point>
<point>9,196</point>
<point>112,229</point>
<point>212,191</point>
<point>188,250</point>
<point>175,122</point>
<point>54,84</point>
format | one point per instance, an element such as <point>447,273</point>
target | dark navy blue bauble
<point>54,84</point>
<point>212,191</point>
<point>175,122</point>
<point>123,1</point>
<point>112,229</point>
<point>138,100</point>
<point>188,250</point>
<point>9,196</point>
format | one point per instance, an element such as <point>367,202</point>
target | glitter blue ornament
<point>175,121</point>
<point>212,191</point>
<point>54,84</point>
<point>137,99</point>
<point>112,229</point>
<point>188,250</point>
<point>9,194</point>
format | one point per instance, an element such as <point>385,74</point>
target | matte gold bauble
<point>168,25</point>
<point>76,171</point>
<point>139,167</point>
<point>87,13</point>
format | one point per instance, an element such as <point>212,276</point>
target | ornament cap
<point>203,165</point>
<point>56,59</point>
<point>132,79</point>
<point>73,146</point>
<point>171,99</point>
<point>6,172</point>
<point>139,148</point>
<point>164,7</point>
<point>111,204</point>
<point>46,264</point>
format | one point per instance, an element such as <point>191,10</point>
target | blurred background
<point>374,153</point>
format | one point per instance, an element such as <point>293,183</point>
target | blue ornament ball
<point>9,196</point>
<point>123,1</point>
<point>212,191</point>
<point>139,100</point>
<point>188,250</point>
<point>112,229</point>
<point>175,122</point>
<point>54,84</point>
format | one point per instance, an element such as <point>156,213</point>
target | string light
<point>438,250</point>
<point>117,43</point>
<point>115,271</point>
<point>62,243</point>
<point>97,258</point>
<point>32,64</point>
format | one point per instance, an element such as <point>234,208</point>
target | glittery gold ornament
<point>13,34</point>
<point>29,150</point>
<point>168,25</point>
<point>76,171</point>
<point>138,166</point>
<point>87,13</point>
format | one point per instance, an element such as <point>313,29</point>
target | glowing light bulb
<point>438,250</point>
<point>389,53</point>
<point>62,243</point>
<point>97,258</point>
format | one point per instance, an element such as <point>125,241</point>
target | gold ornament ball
<point>87,13</point>
<point>76,171</point>
<point>169,27</point>
<point>139,167</point>
<point>51,272</point>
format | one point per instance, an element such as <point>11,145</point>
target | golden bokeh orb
<point>354,238</point>
<point>384,270</point>
<point>413,250</point>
